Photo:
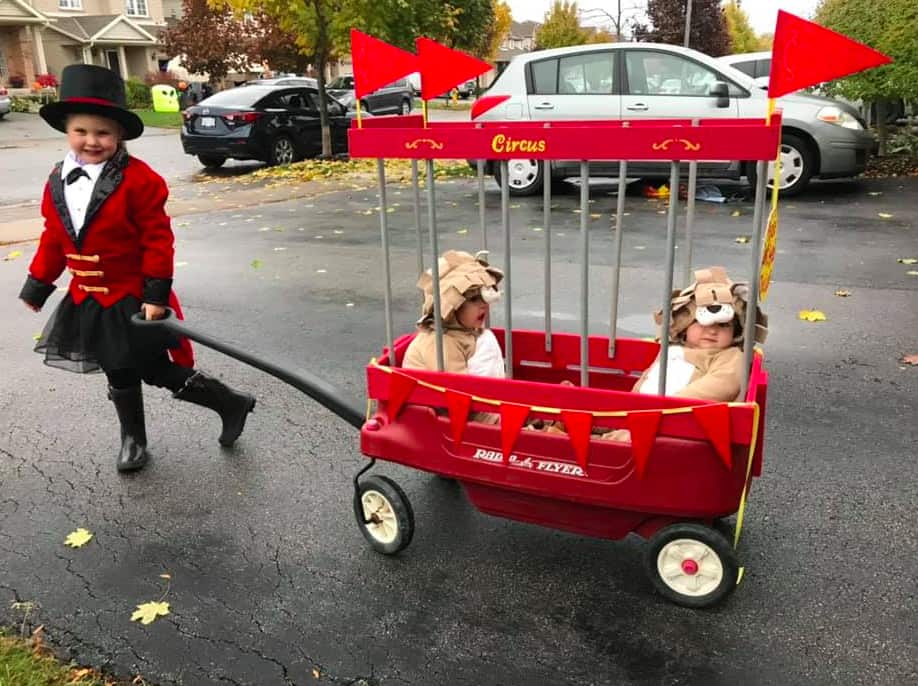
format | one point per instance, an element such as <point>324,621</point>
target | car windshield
<point>245,96</point>
<point>345,82</point>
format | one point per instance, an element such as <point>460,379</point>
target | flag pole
<point>774,189</point>
<point>359,120</point>
<point>424,111</point>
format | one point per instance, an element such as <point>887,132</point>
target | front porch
<point>22,54</point>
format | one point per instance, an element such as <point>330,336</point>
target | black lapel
<point>60,203</point>
<point>110,178</point>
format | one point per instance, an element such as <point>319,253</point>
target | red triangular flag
<point>804,54</point>
<point>512,418</point>
<point>400,387</point>
<point>715,420</point>
<point>579,425</point>
<point>643,426</point>
<point>442,67</point>
<point>377,64</point>
<point>458,405</point>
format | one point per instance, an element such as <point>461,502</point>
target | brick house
<point>44,36</point>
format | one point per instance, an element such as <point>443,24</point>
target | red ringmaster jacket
<point>125,246</point>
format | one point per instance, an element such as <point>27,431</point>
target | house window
<point>134,8</point>
<point>70,4</point>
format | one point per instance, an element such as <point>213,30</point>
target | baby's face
<point>713,337</point>
<point>92,139</point>
<point>473,313</point>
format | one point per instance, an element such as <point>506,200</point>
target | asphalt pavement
<point>271,580</point>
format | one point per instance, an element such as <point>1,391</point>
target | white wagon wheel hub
<point>382,524</point>
<point>690,567</point>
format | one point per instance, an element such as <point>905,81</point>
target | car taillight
<point>486,103</point>
<point>240,118</point>
<point>3,91</point>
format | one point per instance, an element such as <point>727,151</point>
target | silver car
<point>6,102</point>
<point>820,137</point>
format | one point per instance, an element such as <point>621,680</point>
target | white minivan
<point>820,137</point>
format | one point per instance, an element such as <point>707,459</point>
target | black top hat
<point>88,89</point>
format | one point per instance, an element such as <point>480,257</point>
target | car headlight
<point>835,115</point>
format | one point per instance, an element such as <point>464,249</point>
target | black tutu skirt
<point>88,338</point>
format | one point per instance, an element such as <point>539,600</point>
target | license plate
<point>207,122</point>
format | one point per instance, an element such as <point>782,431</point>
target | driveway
<point>270,579</point>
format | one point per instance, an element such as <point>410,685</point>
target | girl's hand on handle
<point>34,308</point>
<point>153,311</point>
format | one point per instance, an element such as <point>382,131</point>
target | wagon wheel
<point>384,514</point>
<point>691,564</point>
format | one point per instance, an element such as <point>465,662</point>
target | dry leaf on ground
<point>147,613</point>
<point>742,239</point>
<point>884,215</point>
<point>910,359</point>
<point>78,538</point>
<point>842,293</point>
<point>811,316</point>
<point>907,260</point>
<point>13,255</point>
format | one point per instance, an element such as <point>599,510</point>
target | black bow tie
<point>75,174</point>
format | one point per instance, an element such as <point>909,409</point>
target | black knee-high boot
<point>129,405</point>
<point>232,406</point>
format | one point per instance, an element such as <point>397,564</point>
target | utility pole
<point>688,22</point>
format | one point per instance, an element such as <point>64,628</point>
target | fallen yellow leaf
<point>884,215</point>
<point>148,612</point>
<point>462,231</point>
<point>78,538</point>
<point>842,293</point>
<point>316,674</point>
<point>811,316</point>
<point>36,337</point>
<point>912,272</point>
<point>256,264</point>
<point>13,255</point>
<point>742,239</point>
<point>165,576</point>
<point>595,216</point>
<point>907,260</point>
<point>735,213</point>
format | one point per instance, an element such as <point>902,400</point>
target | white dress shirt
<point>78,193</point>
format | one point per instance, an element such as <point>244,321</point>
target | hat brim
<point>55,113</point>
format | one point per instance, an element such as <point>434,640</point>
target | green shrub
<point>138,94</point>
<point>31,103</point>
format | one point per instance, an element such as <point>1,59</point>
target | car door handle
<point>637,107</point>
<point>543,106</point>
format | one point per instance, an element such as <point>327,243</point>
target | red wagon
<point>695,459</point>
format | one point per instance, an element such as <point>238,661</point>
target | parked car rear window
<point>588,74</point>
<point>545,77</point>
<point>244,96</point>
<point>747,67</point>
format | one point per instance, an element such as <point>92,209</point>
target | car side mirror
<point>721,91</point>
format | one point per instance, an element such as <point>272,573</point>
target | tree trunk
<point>321,61</point>
<point>882,131</point>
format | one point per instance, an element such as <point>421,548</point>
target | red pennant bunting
<point>442,67</point>
<point>579,426</point>
<point>458,405</point>
<point>715,420</point>
<point>400,387</point>
<point>512,418</point>
<point>804,54</point>
<point>643,426</point>
<point>377,64</point>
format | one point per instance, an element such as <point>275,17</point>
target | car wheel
<point>524,176</point>
<point>282,151</point>
<point>406,106</point>
<point>797,165</point>
<point>211,161</point>
<point>691,564</point>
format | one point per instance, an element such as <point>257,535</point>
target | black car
<point>267,123</point>
<point>392,99</point>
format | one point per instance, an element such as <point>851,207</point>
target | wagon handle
<point>317,389</point>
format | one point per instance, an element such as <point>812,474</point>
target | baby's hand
<point>153,311</point>
<point>34,308</point>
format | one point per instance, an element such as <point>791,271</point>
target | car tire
<point>282,151</point>
<point>525,176</point>
<point>406,106</point>
<point>211,161</point>
<point>798,161</point>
